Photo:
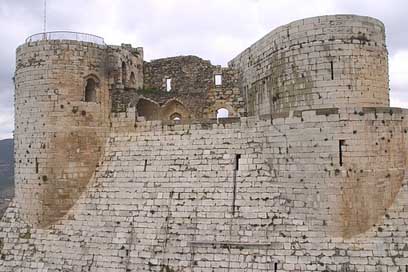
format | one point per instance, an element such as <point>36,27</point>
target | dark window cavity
<point>124,72</point>
<point>341,144</point>
<point>36,165</point>
<point>132,78</point>
<point>237,158</point>
<point>332,70</point>
<point>234,182</point>
<point>90,90</point>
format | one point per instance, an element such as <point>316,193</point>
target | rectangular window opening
<point>276,267</point>
<point>168,84</point>
<point>218,80</point>
<point>145,166</point>
<point>332,70</point>
<point>341,144</point>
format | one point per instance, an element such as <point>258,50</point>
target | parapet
<point>66,35</point>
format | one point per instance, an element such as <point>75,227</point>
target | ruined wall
<point>58,136</point>
<point>125,66</point>
<point>193,84</point>
<point>177,198</point>
<point>125,69</point>
<point>319,62</point>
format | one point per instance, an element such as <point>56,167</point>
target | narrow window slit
<point>237,158</point>
<point>341,144</point>
<point>124,72</point>
<point>332,71</point>
<point>234,182</point>
<point>36,165</point>
<point>145,166</point>
<point>276,267</point>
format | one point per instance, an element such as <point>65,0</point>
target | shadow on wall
<point>171,110</point>
<point>148,109</point>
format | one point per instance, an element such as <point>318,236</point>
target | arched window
<point>222,113</point>
<point>124,72</point>
<point>90,90</point>
<point>175,117</point>
<point>132,78</point>
<point>148,109</point>
<point>174,109</point>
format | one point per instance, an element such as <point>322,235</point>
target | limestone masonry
<point>122,164</point>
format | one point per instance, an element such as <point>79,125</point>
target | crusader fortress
<point>122,165</point>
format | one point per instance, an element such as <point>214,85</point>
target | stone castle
<point>123,165</point>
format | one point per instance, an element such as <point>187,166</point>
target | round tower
<point>321,62</point>
<point>61,117</point>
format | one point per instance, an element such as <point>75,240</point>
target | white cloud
<point>399,68</point>
<point>398,64</point>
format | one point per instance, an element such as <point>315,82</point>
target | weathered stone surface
<point>320,62</point>
<point>58,136</point>
<point>192,86</point>
<point>303,184</point>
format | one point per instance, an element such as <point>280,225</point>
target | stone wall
<point>253,194</point>
<point>58,136</point>
<point>193,84</point>
<point>125,67</point>
<point>193,95</point>
<point>292,188</point>
<point>320,62</point>
<point>61,127</point>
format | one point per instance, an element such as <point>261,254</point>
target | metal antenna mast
<point>45,16</point>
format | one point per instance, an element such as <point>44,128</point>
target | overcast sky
<point>213,29</point>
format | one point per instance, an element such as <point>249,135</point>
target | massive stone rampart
<point>237,195</point>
